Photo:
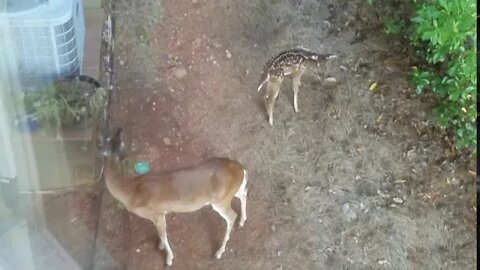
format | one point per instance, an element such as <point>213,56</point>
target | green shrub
<point>444,31</point>
<point>62,103</point>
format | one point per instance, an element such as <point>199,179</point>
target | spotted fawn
<point>292,62</point>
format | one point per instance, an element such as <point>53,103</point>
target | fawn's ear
<point>118,134</point>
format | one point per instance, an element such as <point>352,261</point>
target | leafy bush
<point>444,32</point>
<point>62,103</point>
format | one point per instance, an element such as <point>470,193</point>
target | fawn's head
<point>112,145</point>
<point>318,60</point>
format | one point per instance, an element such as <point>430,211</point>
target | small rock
<point>273,228</point>
<point>228,54</point>
<point>382,262</point>
<point>180,72</point>
<point>371,74</point>
<point>122,63</point>
<point>133,147</point>
<point>330,81</point>
<point>194,1</point>
<point>453,181</point>
<point>360,148</point>
<point>290,132</point>
<point>167,141</point>
<point>137,250</point>
<point>348,212</point>
<point>411,154</point>
<point>398,200</point>
<point>197,42</point>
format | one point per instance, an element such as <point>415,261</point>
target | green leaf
<point>443,4</point>
<point>417,19</point>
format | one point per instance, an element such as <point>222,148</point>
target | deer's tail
<point>263,79</point>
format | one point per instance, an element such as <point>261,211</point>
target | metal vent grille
<point>46,41</point>
<point>66,48</point>
<point>34,53</point>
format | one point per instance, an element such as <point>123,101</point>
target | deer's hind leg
<point>296,79</point>
<point>273,88</point>
<point>161,225</point>
<point>225,210</point>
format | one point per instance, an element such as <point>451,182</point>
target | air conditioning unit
<point>44,39</point>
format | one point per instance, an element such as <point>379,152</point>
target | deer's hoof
<point>219,253</point>
<point>169,260</point>
<point>241,223</point>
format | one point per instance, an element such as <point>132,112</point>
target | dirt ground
<point>358,179</point>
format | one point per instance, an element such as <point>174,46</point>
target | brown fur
<point>151,196</point>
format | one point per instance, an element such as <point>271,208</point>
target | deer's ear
<point>118,133</point>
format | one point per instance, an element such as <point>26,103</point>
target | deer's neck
<point>114,180</point>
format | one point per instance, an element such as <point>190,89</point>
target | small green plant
<point>393,27</point>
<point>61,104</point>
<point>445,35</point>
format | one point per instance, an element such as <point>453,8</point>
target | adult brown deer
<point>154,194</point>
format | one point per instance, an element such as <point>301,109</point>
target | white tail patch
<point>242,190</point>
<point>242,195</point>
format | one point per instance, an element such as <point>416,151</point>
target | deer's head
<point>112,145</point>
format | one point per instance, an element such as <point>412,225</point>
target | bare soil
<point>358,179</point>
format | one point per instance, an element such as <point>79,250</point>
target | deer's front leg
<point>161,225</point>
<point>297,76</point>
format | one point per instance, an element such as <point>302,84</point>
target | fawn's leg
<point>227,213</point>
<point>273,88</point>
<point>297,76</point>
<point>161,225</point>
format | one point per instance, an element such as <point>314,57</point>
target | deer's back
<point>188,189</point>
